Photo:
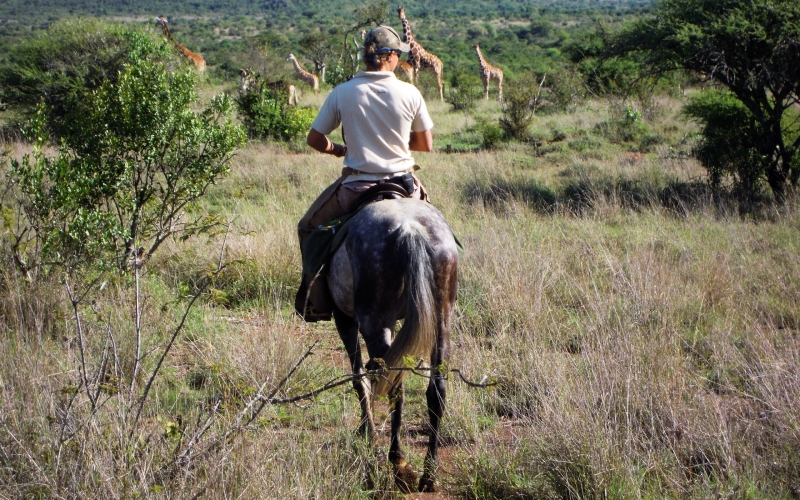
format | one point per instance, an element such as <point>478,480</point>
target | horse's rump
<point>399,260</point>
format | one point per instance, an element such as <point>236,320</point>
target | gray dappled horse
<point>398,261</point>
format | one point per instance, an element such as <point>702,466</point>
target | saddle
<point>394,188</point>
<point>323,242</point>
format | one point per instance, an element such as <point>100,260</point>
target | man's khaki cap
<point>385,38</point>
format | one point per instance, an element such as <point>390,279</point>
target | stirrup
<point>305,309</point>
<point>311,315</point>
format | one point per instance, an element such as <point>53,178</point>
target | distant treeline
<point>32,11</point>
<point>522,37</point>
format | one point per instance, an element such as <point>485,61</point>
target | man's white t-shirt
<point>378,113</point>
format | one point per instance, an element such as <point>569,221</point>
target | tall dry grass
<point>645,334</point>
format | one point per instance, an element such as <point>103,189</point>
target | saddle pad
<point>322,243</point>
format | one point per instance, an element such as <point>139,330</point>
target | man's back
<point>377,112</point>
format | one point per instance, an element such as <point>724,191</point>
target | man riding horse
<point>383,120</point>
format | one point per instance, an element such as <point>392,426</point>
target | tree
<point>60,65</point>
<point>751,48</point>
<point>318,47</point>
<point>126,176</point>
<point>370,14</point>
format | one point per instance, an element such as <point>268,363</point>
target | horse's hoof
<point>404,477</point>
<point>427,484</point>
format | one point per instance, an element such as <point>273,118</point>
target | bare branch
<point>187,456</point>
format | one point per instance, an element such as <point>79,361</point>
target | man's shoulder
<point>405,87</point>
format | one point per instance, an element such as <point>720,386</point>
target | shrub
<point>491,133</point>
<point>125,177</point>
<point>462,99</point>
<point>63,64</point>
<point>462,80</point>
<point>726,148</point>
<point>267,114</point>
<point>518,108</point>
<point>626,126</point>
<point>564,89</point>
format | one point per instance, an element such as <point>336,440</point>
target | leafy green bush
<point>564,89</point>
<point>518,108</point>
<point>267,114</point>
<point>126,176</point>
<point>461,79</point>
<point>726,148</point>
<point>747,47</point>
<point>491,133</point>
<point>462,99</point>
<point>626,126</point>
<point>63,64</point>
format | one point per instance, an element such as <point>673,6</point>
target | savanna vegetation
<point>630,279</point>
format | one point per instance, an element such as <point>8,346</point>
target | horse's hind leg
<point>404,476</point>
<point>435,395</point>
<point>348,332</point>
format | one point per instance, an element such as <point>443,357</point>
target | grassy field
<point>645,334</point>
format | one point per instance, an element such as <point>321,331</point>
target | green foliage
<point>625,126</point>
<point>748,47</point>
<point>564,90</point>
<point>462,99</point>
<point>267,114</point>
<point>603,75</point>
<point>518,108</point>
<point>337,74</point>
<point>126,175</point>
<point>462,79</point>
<point>71,59</point>
<point>726,148</point>
<point>492,134</point>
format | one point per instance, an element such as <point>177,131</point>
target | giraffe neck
<point>480,57</point>
<point>300,70</point>
<point>167,33</point>
<point>407,35</point>
<point>417,54</point>
<point>304,75</point>
<point>196,59</point>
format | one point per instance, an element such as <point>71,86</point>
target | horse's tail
<point>417,336</point>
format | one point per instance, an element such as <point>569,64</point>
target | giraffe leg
<point>500,89</point>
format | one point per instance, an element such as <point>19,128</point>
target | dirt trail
<point>416,439</point>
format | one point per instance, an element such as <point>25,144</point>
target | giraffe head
<point>249,79</point>
<point>291,58</point>
<point>401,11</point>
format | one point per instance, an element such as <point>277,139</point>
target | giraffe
<point>402,67</point>
<point>304,75</point>
<point>406,69</point>
<point>489,73</point>
<point>419,58</point>
<point>196,59</point>
<point>251,82</point>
